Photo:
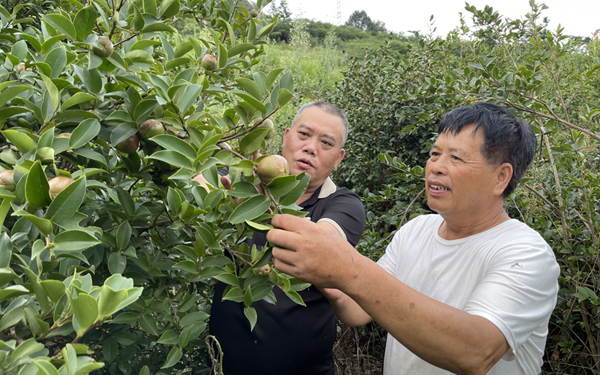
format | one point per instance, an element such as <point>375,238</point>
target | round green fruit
<point>106,47</point>
<point>262,271</point>
<point>58,184</point>
<point>272,166</point>
<point>268,124</point>
<point>128,145</point>
<point>254,13</point>
<point>150,128</point>
<point>208,62</point>
<point>7,181</point>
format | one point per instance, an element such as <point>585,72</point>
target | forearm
<point>440,334</point>
<point>346,309</point>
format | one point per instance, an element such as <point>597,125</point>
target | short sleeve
<point>346,211</point>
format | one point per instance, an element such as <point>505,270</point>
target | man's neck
<point>464,227</point>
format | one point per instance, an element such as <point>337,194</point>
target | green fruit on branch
<point>58,184</point>
<point>268,124</point>
<point>7,181</point>
<point>272,166</point>
<point>128,145</point>
<point>208,62</point>
<point>254,13</point>
<point>106,47</point>
<point>64,135</point>
<point>150,128</point>
<point>262,271</point>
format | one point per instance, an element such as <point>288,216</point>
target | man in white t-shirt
<point>467,290</point>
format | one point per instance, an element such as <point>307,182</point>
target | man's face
<point>459,182</point>
<point>313,145</point>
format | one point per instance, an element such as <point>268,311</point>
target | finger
<point>289,222</point>
<point>284,239</point>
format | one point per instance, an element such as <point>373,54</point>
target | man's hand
<point>310,251</point>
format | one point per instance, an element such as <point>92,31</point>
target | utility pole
<point>339,12</point>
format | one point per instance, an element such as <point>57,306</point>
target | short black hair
<point>330,108</point>
<point>506,138</point>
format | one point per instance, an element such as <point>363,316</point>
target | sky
<point>578,17</point>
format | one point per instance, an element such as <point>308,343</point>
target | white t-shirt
<point>507,274</point>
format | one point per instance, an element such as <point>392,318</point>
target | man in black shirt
<point>288,338</point>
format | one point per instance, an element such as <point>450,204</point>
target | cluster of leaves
<point>549,79</point>
<point>115,272</point>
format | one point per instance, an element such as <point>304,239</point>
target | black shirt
<point>288,339</point>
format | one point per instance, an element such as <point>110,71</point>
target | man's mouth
<point>303,163</point>
<point>438,188</point>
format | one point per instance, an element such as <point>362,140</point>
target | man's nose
<point>437,166</point>
<point>309,147</point>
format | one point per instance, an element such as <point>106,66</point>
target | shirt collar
<point>327,188</point>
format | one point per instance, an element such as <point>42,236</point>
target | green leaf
<point>9,112</point>
<point>252,141</point>
<point>61,24</point>
<point>20,140</point>
<point>109,301</point>
<point>251,315</point>
<point>85,309</point>
<point>250,87</point>
<point>25,349</point>
<point>294,296</point>
<point>258,227</point>
<point>149,7</point>
<point>57,59</point>
<point>174,158</point>
<point>284,96</point>
<point>228,279</point>
<point>173,143</point>
<point>36,186</point>
<point>250,100</point>
<point>173,358</point>
<point>52,92</point>
<point>168,9</point>
<point>84,22</point>
<point>158,26</point>
<point>44,225</point>
<point>77,98</point>
<point>186,96</point>
<point>123,235</point>
<point>240,48</point>
<point>67,202</point>
<point>222,58</point>
<point>140,56</point>
<point>74,240</point>
<point>12,291</point>
<point>84,132</point>
<point>6,275</point>
<point>117,263</point>
<point>11,92</point>
<point>54,289</point>
<point>297,192</point>
<point>126,201</point>
<point>250,209</point>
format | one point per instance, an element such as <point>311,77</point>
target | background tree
<point>360,20</point>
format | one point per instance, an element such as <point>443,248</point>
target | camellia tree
<point>108,246</point>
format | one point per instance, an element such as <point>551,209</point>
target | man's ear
<point>504,173</point>
<point>285,135</point>
<point>339,158</point>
